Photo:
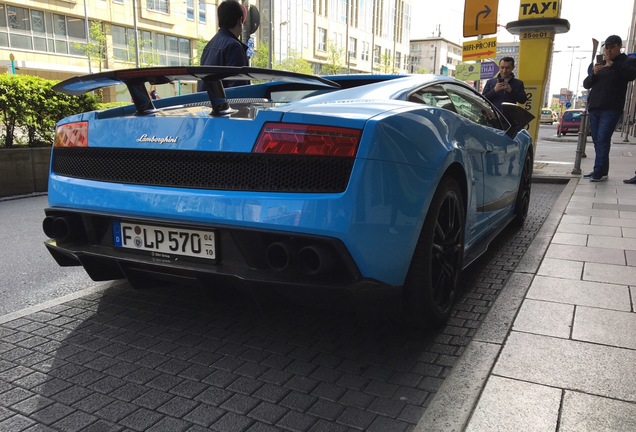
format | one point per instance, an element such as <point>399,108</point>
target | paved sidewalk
<point>557,351</point>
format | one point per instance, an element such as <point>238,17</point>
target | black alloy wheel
<point>432,283</point>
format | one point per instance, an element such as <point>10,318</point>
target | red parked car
<point>570,122</point>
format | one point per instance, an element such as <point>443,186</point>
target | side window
<point>435,96</point>
<point>473,106</point>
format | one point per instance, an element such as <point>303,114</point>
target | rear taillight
<point>72,135</point>
<point>310,140</point>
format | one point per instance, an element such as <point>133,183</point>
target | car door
<point>499,174</point>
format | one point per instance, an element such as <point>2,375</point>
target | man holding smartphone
<point>505,87</point>
<point>607,81</point>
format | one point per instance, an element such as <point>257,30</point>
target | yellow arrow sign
<point>480,17</point>
<point>479,49</point>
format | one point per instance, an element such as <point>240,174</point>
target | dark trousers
<point>602,125</point>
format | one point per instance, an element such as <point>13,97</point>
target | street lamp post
<point>578,81</point>
<point>280,40</point>
<point>571,63</point>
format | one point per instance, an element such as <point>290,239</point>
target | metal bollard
<point>580,146</point>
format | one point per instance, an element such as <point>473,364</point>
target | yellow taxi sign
<point>479,49</point>
<point>540,9</point>
<point>480,17</point>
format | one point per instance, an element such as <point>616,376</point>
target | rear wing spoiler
<point>212,77</point>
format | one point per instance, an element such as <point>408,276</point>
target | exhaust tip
<point>315,260</point>
<point>278,256</point>
<point>47,226</point>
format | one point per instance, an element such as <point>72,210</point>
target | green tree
<point>294,63</point>
<point>198,50</point>
<point>334,65</point>
<point>95,48</point>
<point>386,64</point>
<point>261,56</point>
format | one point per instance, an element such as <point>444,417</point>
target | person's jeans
<point>602,125</point>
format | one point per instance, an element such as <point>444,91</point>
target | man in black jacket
<point>504,87</point>
<point>607,82</point>
<point>225,48</point>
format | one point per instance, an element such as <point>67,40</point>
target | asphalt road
<point>28,273</point>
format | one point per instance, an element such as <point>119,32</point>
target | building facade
<point>434,55</point>
<point>49,38</point>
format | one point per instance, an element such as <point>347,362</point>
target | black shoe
<point>630,181</point>
<point>588,175</point>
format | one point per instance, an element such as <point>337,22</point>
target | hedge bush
<point>29,109</point>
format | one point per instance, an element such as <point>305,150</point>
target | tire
<point>522,204</point>
<point>432,282</point>
<point>563,133</point>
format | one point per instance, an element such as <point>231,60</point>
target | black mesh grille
<point>205,170</point>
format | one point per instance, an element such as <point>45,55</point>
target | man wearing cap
<point>607,82</point>
<point>225,48</point>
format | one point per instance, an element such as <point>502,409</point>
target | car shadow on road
<point>175,357</point>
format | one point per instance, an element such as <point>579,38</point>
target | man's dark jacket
<point>517,95</point>
<point>608,88</point>
<point>225,49</point>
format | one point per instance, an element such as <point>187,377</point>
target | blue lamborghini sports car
<point>365,183</point>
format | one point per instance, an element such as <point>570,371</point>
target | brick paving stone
<point>107,384</point>
<point>221,378</point>
<point>188,389</point>
<point>298,401</point>
<point>204,415</point>
<point>240,404</point>
<point>93,402</point>
<point>31,405</point>
<point>268,412</point>
<point>14,395</point>
<point>17,422</point>
<point>356,399</point>
<point>214,396</point>
<point>329,391</point>
<point>103,426</point>
<point>298,422</point>
<point>32,380</point>
<point>178,406</point>
<point>5,413</point>
<point>245,385</point>
<point>385,424</point>
<point>275,376</point>
<point>39,428</point>
<point>170,424</point>
<point>325,426</point>
<point>15,373</point>
<point>71,395</point>
<point>326,409</point>
<point>279,362</point>
<point>262,427</point>
<point>116,411</point>
<point>411,414</point>
<point>386,407</point>
<point>52,413</point>
<point>196,372</point>
<point>271,393</point>
<point>16,353</point>
<point>232,422</point>
<point>411,395</point>
<point>128,392</point>
<point>141,420</point>
<point>153,399</point>
<point>356,418</point>
<point>76,421</point>
<point>164,382</point>
<point>302,384</point>
<point>87,377</point>
<point>251,370</point>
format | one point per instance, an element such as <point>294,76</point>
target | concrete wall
<point>24,170</point>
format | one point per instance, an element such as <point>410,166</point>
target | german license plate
<point>164,241</point>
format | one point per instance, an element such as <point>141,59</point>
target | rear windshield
<point>572,116</point>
